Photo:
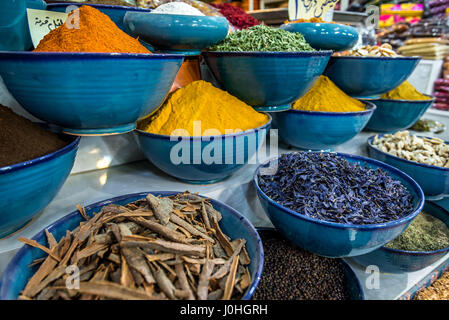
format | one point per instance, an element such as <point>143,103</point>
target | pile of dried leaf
<point>153,248</point>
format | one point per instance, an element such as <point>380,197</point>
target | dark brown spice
<point>292,273</point>
<point>22,140</point>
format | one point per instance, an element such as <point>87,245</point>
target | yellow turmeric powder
<point>405,92</point>
<point>217,110</point>
<point>326,96</point>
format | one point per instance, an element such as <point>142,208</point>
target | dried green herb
<point>425,233</point>
<point>263,38</point>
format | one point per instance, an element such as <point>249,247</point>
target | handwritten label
<point>41,22</point>
<point>307,9</point>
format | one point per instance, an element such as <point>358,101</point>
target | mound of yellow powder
<point>201,101</point>
<point>405,92</point>
<point>326,96</point>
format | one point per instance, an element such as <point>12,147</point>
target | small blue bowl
<point>116,13</point>
<point>325,36</point>
<point>396,261</point>
<point>177,33</point>
<point>89,93</point>
<point>336,240</point>
<point>395,115</point>
<point>233,224</point>
<point>369,76</point>
<point>433,180</point>
<point>26,188</point>
<point>310,130</point>
<point>268,81</point>
<point>233,152</point>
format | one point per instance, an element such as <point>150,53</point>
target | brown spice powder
<point>22,140</point>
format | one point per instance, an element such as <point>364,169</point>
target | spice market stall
<point>339,187</point>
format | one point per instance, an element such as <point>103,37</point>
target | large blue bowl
<point>184,158</point>
<point>177,33</point>
<point>393,260</point>
<point>233,224</point>
<point>369,76</point>
<point>268,81</point>
<point>325,36</point>
<point>310,130</point>
<point>89,93</point>
<point>28,187</point>
<point>336,240</point>
<point>433,180</point>
<point>116,13</point>
<point>395,115</point>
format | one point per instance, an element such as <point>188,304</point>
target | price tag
<point>307,9</point>
<point>41,22</point>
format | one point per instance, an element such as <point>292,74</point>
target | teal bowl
<point>337,240</point>
<point>189,158</point>
<point>396,115</point>
<point>398,261</point>
<point>233,224</point>
<point>177,33</point>
<point>433,180</point>
<point>115,13</point>
<point>325,36</point>
<point>369,76</point>
<point>268,81</point>
<point>313,130</point>
<point>89,93</point>
<point>26,188</point>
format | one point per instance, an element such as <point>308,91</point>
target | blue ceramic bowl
<point>235,225</point>
<point>14,29</point>
<point>433,180</point>
<point>89,93</point>
<point>393,260</point>
<point>336,240</point>
<point>177,33</point>
<point>369,76</point>
<point>26,188</point>
<point>310,130</point>
<point>116,13</point>
<point>352,282</point>
<point>395,115</point>
<point>268,81</point>
<point>325,36</point>
<point>184,158</point>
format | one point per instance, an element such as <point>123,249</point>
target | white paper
<point>41,22</point>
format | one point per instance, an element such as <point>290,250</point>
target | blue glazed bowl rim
<point>377,163</point>
<point>370,145</point>
<point>83,55</point>
<point>432,99</point>
<point>252,232</point>
<point>371,107</point>
<point>207,138</point>
<point>420,253</point>
<point>101,6</point>
<point>270,54</point>
<point>346,265</point>
<point>416,58</point>
<point>180,16</point>
<point>48,157</point>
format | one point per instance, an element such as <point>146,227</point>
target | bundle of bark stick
<point>153,248</point>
